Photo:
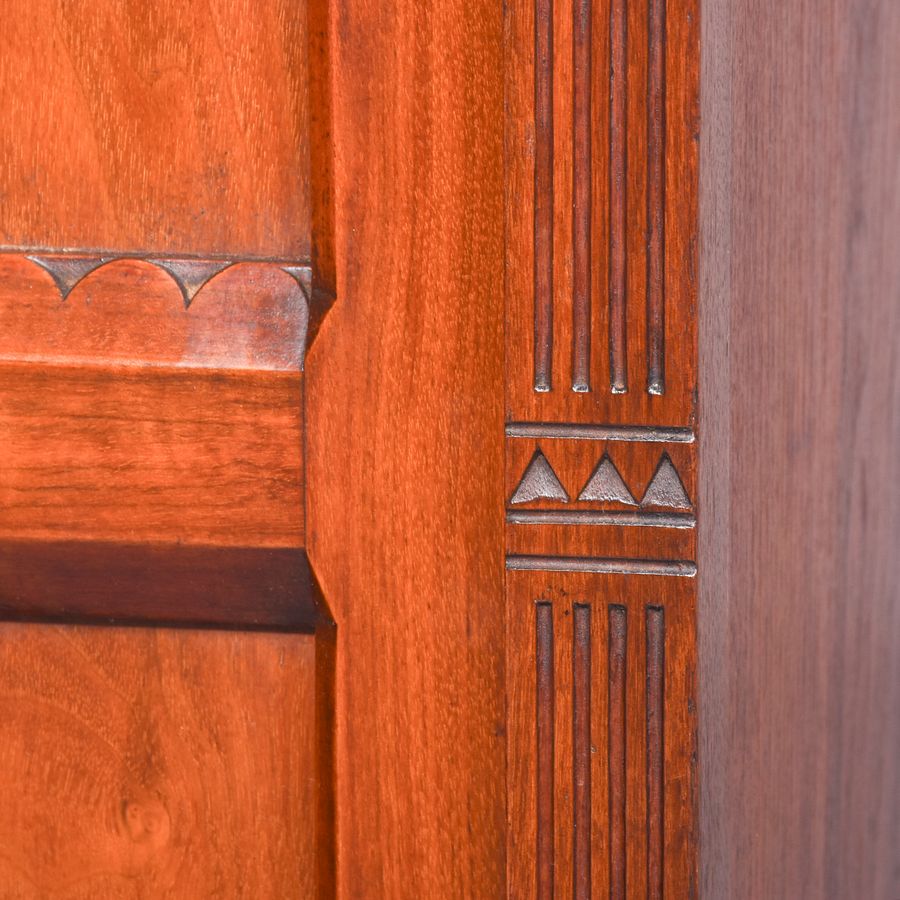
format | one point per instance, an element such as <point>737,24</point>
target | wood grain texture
<point>173,456</point>
<point>622,862</point>
<point>186,312</point>
<point>632,339</point>
<point>800,394</point>
<point>602,457</point>
<point>154,763</point>
<point>160,127</point>
<point>404,413</point>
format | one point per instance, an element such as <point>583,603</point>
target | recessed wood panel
<point>161,127</point>
<point>156,763</point>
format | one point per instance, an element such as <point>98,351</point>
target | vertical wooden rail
<point>601,484</point>
<point>543,195</point>
<point>618,199</point>
<point>582,197</point>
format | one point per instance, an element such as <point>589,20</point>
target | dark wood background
<point>799,620</point>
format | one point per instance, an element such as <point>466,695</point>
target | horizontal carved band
<point>602,566</point>
<point>129,310</point>
<point>575,432</point>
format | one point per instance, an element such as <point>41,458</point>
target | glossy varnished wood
<point>99,581</point>
<point>602,447</point>
<point>800,395</point>
<point>174,127</point>
<point>198,456</point>
<point>404,449</point>
<point>156,763</point>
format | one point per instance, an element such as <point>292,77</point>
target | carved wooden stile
<point>601,433</point>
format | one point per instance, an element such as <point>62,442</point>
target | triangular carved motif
<point>191,274</point>
<point>539,482</point>
<point>606,485</point>
<point>666,488</point>
<point>68,271</point>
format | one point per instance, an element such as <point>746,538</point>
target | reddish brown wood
<point>656,194</point>
<point>618,312</point>
<point>581,201</point>
<point>404,413</point>
<point>617,195</point>
<point>618,801</point>
<point>155,762</point>
<point>184,312</point>
<point>581,749</point>
<point>656,712</point>
<point>168,252</point>
<point>543,195</point>
<point>601,478</point>
<point>181,128</point>
<point>162,455</point>
<point>800,328</point>
<point>92,581</point>
<point>546,753</point>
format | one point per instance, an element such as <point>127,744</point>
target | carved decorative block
<point>601,490</point>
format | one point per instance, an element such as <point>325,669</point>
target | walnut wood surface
<point>800,396</point>
<point>404,443</point>
<point>156,763</point>
<point>175,127</point>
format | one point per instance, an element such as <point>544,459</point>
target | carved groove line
<point>678,568</point>
<point>655,689</point>
<point>543,195</point>
<point>581,750</point>
<point>618,197</point>
<point>581,201</point>
<point>617,190</point>
<point>616,748</point>
<point>566,431</point>
<point>546,758</point>
<point>621,517</point>
<point>656,195</point>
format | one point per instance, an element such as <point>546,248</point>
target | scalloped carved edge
<point>189,274</point>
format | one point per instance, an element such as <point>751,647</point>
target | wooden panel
<point>601,451</point>
<point>800,394</point>
<point>160,127</point>
<point>152,400</point>
<point>140,763</point>
<point>405,442</point>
